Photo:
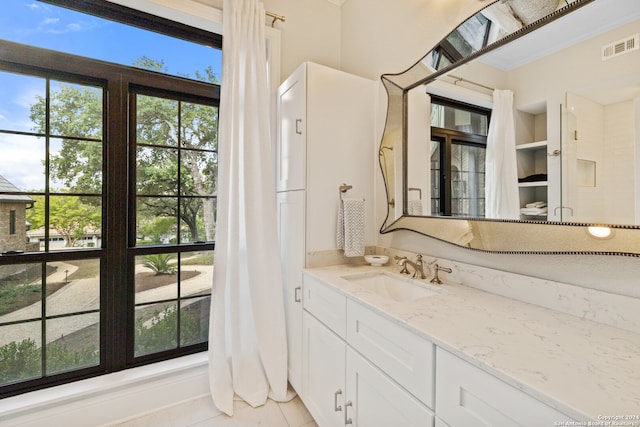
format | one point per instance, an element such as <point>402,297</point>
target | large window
<point>458,151</point>
<point>107,207</point>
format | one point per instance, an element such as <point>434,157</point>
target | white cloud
<point>49,21</point>
<point>21,161</point>
<point>29,96</point>
<point>74,27</point>
<point>33,6</point>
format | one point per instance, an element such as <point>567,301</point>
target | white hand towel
<point>536,205</point>
<point>415,207</point>
<point>350,235</point>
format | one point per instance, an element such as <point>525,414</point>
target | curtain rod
<point>461,79</point>
<point>275,17</point>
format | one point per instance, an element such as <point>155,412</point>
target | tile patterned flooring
<point>202,413</point>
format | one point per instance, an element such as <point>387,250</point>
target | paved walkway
<point>84,294</point>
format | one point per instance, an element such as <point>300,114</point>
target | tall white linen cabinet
<point>325,137</point>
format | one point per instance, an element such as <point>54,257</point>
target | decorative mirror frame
<point>487,235</point>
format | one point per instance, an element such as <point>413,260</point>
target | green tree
<point>68,215</point>
<point>19,360</point>
<point>160,332</point>
<point>23,359</point>
<point>76,111</point>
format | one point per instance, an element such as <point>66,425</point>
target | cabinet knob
<point>336,408</point>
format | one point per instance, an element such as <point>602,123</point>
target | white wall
<point>388,36</point>
<point>311,31</point>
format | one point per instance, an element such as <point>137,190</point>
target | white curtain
<point>501,179</point>
<point>247,340</point>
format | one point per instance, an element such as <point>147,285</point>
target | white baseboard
<point>112,398</point>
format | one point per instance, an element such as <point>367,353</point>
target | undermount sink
<point>391,286</point>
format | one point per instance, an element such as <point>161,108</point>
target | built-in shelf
<point>532,157</point>
<point>533,184</point>
<point>532,145</point>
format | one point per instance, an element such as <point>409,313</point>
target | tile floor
<point>201,413</point>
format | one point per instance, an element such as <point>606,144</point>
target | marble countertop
<point>584,369</point>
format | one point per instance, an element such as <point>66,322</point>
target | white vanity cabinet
<point>469,396</point>
<point>380,376</point>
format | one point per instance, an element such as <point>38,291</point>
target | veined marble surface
<point>582,368</point>
<point>621,311</point>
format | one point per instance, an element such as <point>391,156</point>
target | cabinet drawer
<point>401,354</point>
<point>468,396</point>
<point>326,304</point>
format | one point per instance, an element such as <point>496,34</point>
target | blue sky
<point>40,24</point>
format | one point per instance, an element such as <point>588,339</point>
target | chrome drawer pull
<point>347,421</point>
<point>336,408</point>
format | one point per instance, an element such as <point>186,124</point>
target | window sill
<point>140,383</point>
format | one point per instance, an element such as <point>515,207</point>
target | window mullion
<point>115,291</point>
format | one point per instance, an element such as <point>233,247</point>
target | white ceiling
<point>592,19</point>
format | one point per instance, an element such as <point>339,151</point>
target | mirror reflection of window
<point>468,38</point>
<point>457,158</point>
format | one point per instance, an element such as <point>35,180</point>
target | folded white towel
<point>415,207</point>
<point>350,233</point>
<point>533,211</point>
<point>536,205</point>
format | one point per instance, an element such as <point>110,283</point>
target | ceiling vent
<point>621,47</point>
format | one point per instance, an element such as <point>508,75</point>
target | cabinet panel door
<point>323,367</point>
<point>405,356</point>
<point>290,207</point>
<point>291,132</point>
<point>377,401</point>
<point>468,396</point>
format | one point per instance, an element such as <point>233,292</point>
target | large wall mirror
<point>555,169</point>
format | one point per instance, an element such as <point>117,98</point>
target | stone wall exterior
<point>18,240</point>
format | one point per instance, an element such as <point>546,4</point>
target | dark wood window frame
<point>117,252</point>
<point>447,137</point>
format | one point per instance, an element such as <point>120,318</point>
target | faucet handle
<point>436,277</point>
<point>402,260</point>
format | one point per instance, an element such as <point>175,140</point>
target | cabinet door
<point>290,207</point>
<point>323,367</point>
<point>291,133</point>
<point>377,401</point>
<point>469,396</point>
<point>403,355</point>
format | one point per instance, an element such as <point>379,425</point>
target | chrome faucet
<point>418,266</point>
<point>436,277</point>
